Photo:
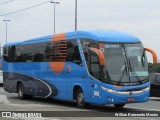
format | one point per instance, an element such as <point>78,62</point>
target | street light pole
<point>75,15</point>
<point>54,14</point>
<point>6,29</point>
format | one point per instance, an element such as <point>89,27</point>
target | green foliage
<point>154,67</point>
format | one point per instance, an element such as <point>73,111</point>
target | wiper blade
<point>125,69</point>
<point>108,76</point>
<point>134,72</point>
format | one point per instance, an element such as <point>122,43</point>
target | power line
<point>6,2</point>
<point>24,9</point>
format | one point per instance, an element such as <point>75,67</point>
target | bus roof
<point>101,36</point>
<point>105,36</point>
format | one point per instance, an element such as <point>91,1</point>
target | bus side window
<point>73,53</point>
<point>30,52</point>
<point>5,53</point>
<point>9,54</point>
<point>86,43</point>
<point>12,53</point>
<point>94,65</point>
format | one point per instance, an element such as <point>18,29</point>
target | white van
<point>1,78</point>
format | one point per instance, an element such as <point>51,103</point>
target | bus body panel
<point>42,72</point>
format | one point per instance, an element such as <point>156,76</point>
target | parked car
<point>1,78</point>
<point>155,84</point>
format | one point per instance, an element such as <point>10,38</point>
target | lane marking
<point>154,98</point>
<point>45,118</point>
<point>147,118</point>
<point>142,108</point>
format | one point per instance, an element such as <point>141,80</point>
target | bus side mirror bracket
<point>101,61</point>
<point>100,56</point>
<point>154,55</point>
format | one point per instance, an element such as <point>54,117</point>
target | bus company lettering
<point>57,69</point>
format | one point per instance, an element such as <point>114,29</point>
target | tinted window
<point>9,53</point>
<point>73,53</point>
<point>86,43</point>
<point>5,53</point>
<point>158,79</point>
<point>94,68</point>
<point>37,52</point>
<point>44,52</point>
<point>56,51</point>
<point>30,52</point>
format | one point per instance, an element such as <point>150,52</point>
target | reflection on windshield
<point>124,62</point>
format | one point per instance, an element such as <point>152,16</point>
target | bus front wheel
<point>118,106</point>
<point>80,99</point>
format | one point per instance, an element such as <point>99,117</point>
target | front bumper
<point>125,97</point>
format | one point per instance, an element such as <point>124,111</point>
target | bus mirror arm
<point>154,55</point>
<point>100,56</point>
<point>102,66</point>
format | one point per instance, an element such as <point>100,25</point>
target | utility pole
<point>75,15</point>
<point>54,14</point>
<point>6,29</point>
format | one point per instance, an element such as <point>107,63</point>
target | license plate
<point>130,99</point>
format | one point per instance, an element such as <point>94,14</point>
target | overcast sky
<point>137,17</point>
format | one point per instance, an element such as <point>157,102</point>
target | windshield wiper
<point>108,78</point>
<point>125,69</point>
<point>134,72</point>
<point>128,68</point>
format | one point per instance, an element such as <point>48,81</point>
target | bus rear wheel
<point>80,99</point>
<point>118,106</point>
<point>21,94</point>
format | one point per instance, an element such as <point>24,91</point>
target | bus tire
<point>119,106</point>
<point>21,94</point>
<point>80,100</point>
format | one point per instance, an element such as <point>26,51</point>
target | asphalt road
<point>69,110</point>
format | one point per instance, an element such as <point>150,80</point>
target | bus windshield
<point>124,63</point>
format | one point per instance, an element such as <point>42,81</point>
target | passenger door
<point>95,72</point>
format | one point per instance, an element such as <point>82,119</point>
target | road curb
<point>3,99</point>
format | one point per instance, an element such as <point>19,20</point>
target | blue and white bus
<point>99,67</point>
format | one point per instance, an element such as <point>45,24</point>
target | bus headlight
<point>146,89</point>
<point>108,90</point>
